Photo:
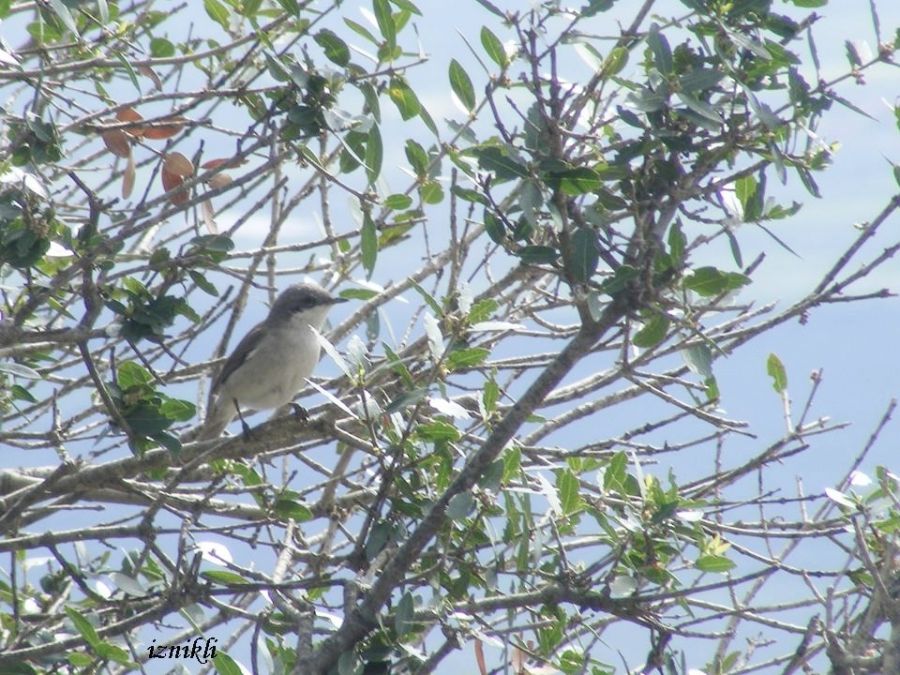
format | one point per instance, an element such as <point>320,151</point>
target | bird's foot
<point>300,412</point>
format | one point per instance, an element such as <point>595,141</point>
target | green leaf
<point>250,8</point>
<point>404,614</point>
<point>596,6</point>
<point>482,310</point>
<point>161,48</point>
<point>471,196</point>
<point>775,369</point>
<point>462,85</point>
<point>385,21</point>
<point>745,189</point>
<point>132,374</point>
<point>569,491</point>
<point>438,431</point>
<point>614,62</point>
<point>584,254</point>
<point>374,154</point>
<point>493,47</point>
<point>417,158</point>
<point>490,395</point>
<point>699,359</point>
<point>432,303</point>
<point>808,182</point>
<point>493,158</point>
<point>577,181</point>
<point>203,283</point>
<point>398,202</point>
<point>467,358</point>
<point>662,53</point>
<point>616,474</point>
<point>460,506</point>
<point>363,294</point>
<point>20,393</point>
<point>713,563</point>
<point>291,508</point>
<point>83,626</point>
<point>620,279</point>
<point>653,332</point>
<point>700,79</point>
<point>217,12</point>
<point>538,255</point>
<point>223,577</point>
<point>59,8</point>
<point>336,50</point>
<point>677,243</point>
<point>404,98</point>
<point>225,665</point>
<point>431,192</point>
<point>494,227</point>
<point>405,400</point>
<point>709,281</point>
<point>702,108</point>
<point>110,652</point>
<point>178,410</point>
<point>368,244</point>
<point>19,370</point>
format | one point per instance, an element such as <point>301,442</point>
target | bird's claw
<point>300,412</point>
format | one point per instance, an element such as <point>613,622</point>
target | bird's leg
<point>245,428</point>
<point>300,412</point>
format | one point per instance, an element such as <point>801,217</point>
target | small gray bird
<point>269,366</point>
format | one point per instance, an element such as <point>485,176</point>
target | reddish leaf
<point>172,126</point>
<point>149,72</point>
<point>129,114</point>
<point>219,180</point>
<point>128,178</point>
<point>172,184</point>
<point>228,163</point>
<point>479,657</point>
<point>179,165</point>
<point>117,142</point>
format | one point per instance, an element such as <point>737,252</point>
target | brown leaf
<point>128,178</point>
<point>149,72</point>
<point>479,657</point>
<point>518,660</point>
<point>219,180</point>
<point>171,127</point>
<point>228,163</point>
<point>117,142</point>
<point>172,184</point>
<point>129,114</point>
<point>179,165</point>
<point>206,208</point>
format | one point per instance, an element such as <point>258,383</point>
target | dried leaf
<point>179,165</point>
<point>171,183</point>
<point>158,132</point>
<point>219,180</point>
<point>518,660</point>
<point>128,178</point>
<point>228,163</point>
<point>117,142</point>
<point>129,114</point>
<point>206,208</point>
<point>149,72</point>
<point>479,657</point>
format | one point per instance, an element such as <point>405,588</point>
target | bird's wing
<point>241,353</point>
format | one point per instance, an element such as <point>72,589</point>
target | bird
<point>271,363</point>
